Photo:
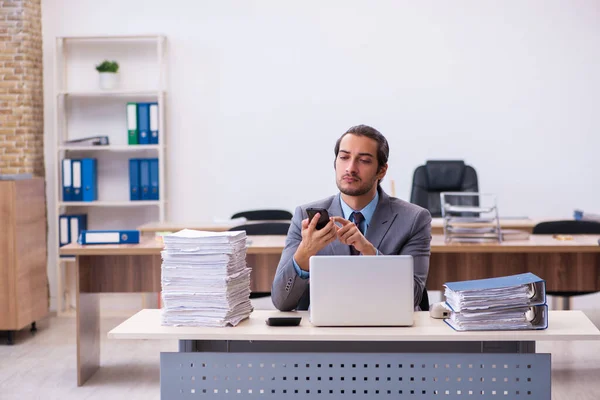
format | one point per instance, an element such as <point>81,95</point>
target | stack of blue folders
<point>505,303</point>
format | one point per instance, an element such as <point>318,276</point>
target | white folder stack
<point>205,281</point>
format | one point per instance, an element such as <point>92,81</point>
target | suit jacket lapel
<point>382,220</point>
<point>337,248</point>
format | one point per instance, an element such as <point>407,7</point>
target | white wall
<point>258,91</point>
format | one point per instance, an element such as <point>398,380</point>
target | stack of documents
<point>505,303</point>
<point>204,279</point>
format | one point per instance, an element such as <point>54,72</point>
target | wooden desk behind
<point>437,225</point>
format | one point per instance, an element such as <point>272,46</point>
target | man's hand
<point>350,235</point>
<point>314,240</point>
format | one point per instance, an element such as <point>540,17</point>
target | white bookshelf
<point>82,109</point>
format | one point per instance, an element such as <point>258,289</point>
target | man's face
<point>356,165</point>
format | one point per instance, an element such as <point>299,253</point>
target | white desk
<point>311,362</point>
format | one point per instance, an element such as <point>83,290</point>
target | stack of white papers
<point>205,281</point>
<point>503,303</point>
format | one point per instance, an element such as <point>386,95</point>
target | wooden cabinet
<point>23,265</point>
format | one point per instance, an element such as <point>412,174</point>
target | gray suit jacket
<point>397,227</point>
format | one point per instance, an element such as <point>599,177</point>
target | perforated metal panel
<point>354,375</point>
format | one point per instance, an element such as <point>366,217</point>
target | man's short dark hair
<point>383,149</point>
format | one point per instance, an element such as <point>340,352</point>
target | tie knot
<point>358,218</point>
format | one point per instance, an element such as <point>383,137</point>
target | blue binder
<point>144,123</point>
<point>536,284</point>
<point>77,223</point>
<point>89,179</point>
<point>67,180</point>
<point>134,179</point>
<point>109,237</point>
<point>64,233</point>
<point>76,170</point>
<point>154,184</point>
<point>145,179</point>
<point>154,123</point>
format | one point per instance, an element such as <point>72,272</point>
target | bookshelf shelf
<point>118,147</point>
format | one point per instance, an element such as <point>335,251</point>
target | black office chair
<point>568,227</point>
<point>434,177</point>
<point>263,228</point>
<point>264,215</point>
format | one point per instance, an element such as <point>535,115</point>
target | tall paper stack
<point>204,279</point>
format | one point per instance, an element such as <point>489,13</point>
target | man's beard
<point>359,191</point>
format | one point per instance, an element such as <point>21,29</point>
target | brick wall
<point>21,88</point>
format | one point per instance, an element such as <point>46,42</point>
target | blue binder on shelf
<point>145,179</point>
<point>76,177</point>
<point>89,179</point>
<point>109,237</point>
<point>154,123</point>
<point>154,184</point>
<point>134,179</point>
<point>144,123</point>
<point>67,180</point>
<point>77,223</point>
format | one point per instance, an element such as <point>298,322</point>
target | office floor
<point>43,366</point>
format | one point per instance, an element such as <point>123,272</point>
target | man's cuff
<point>301,273</point>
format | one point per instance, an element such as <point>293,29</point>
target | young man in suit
<point>364,220</point>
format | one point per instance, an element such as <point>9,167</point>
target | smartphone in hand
<point>323,219</point>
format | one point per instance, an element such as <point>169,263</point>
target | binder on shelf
<point>77,223</point>
<point>154,184</point>
<point>134,179</point>
<point>89,141</point>
<point>132,123</point>
<point>67,180</point>
<point>64,233</point>
<point>77,186</point>
<point>89,179</point>
<point>153,123</point>
<point>144,179</point>
<point>109,237</point>
<point>143,123</point>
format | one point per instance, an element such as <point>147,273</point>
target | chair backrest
<point>567,227</point>
<point>264,215</point>
<point>434,177</point>
<point>264,228</point>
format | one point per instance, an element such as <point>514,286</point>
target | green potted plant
<point>109,77</point>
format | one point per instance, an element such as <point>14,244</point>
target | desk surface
<point>563,325</point>
<point>275,244</point>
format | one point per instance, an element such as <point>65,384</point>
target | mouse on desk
<point>439,310</point>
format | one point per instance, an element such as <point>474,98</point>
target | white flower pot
<point>108,80</point>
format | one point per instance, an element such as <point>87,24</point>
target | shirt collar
<point>367,211</point>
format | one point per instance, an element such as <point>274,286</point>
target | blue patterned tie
<point>358,219</point>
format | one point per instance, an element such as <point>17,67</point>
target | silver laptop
<point>361,290</point>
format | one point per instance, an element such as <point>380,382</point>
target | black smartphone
<point>323,219</point>
<point>283,321</point>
